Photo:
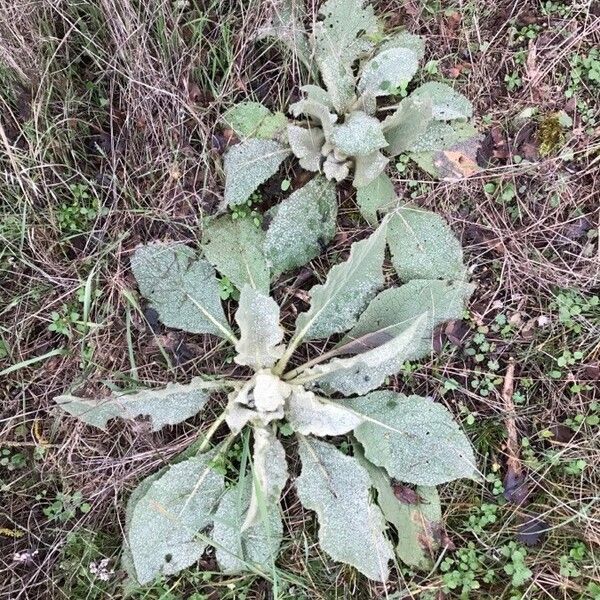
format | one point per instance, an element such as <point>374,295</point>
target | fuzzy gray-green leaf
<point>423,246</point>
<point>301,225</point>
<point>261,335</point>
<point>349,287</point>
<point>359,135</point>
<point>306,145</point>
<point>367,168</point>
<point>447,104</point>
<point>368,370</point>
<point>269,475</point>
<point>374,197</point>
<point>440,136</point>
<point>183,290</point>
<point>339,40</point>
<point>388,71</point>
<point>165,531</point>
<point>235,248</point>
<point>310,414</point>
<point>168,406</point>
<point>238,549</point>
<point>248,164</point>
<point>316,112</point>
<point>403,39</point>
<point>405,127</point>
<point>253,119</point>
<point>418,526</point>
<point>415,439</point>
<point>351,528</point>
<point>393,310</point>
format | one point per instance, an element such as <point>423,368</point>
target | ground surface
<point>109,136</point>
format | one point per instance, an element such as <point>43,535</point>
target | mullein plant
<point>356,116</point>
<point>354,439</point>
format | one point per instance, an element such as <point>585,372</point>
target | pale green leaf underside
<point>260,333</point>
<point>339,41</point>
<point>447,104</point>
<point>309,414</point>
<point>184,291</point>
<point>166,521</point>
<point>269,475</point>
<point>306,145</point>
<point>378,195</point>
<point>423,246</point>
<point>351,529</point>
<point>300,225</point>
<point>367,168</point>
<point>359,135</point>
<point>417,525</point>
<point>388,71</point>
<point>238,549</point>
<point>415,439</point>
<point>393,310</point>
<point>235,249</point>
<point>249,164</point>
<point>336,305</point>
<point>168,406</point>
<point>253,119</point>
<point>367,371</point>
<point>404,128</point>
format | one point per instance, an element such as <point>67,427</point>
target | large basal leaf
<point>339,40</point>
<point>335,305</point>
<point>418,525</point>
<point>403,39</point>
<point>248,164</point>
<point>423,246</point>
<point>165,533</point>
<point>388,72</point>
<point>451,151</point>
<point>253,119</point>
<point>306,145</point>
<point>367,168</point>
<point>415,439</point>
<point>260,333</point>
<point>407,125</point>
<point>351,528</point>
<point>376,196</point>
<point>441,136</point>
<point>269,473</point>
<point>301,225</point>
<point>286,27</point>
<point>368,371</point>
<point>393,310</point>
<point>235,248</point>
<point>309,414</point>
<point>184,291</point>
<point>359,135</point>
<point>447,104</point>
<point>239,549</point>
<point>168,406</point>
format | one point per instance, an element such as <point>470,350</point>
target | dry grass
<point>123,97</point>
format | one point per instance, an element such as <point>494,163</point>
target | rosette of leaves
<point>176,514</point>
<point>352,125</point>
